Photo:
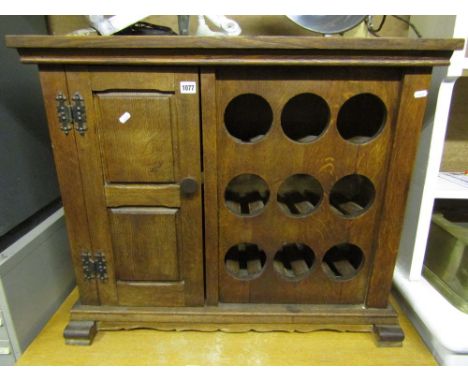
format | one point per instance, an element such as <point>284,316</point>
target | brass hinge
<point>94,266</point>
<point>68,114</point>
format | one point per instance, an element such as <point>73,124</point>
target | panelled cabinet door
<point>140,146</point>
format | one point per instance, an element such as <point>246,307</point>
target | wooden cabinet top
<point>255,50</point>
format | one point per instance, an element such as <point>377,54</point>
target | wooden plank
<point>345,269</point>
<point>254,266</point>
<point>53,80</point>
<point>93,181</point>
<point>187,139</point>
<point>168,294</point>
<point>167,195</point>
<point>223,58</point>
<point>299,267</point>
<point>154,79</point>
<point>258,50</point>
<point>304,207</point>
<point>233,266</point>
<point>240,314</point>
<point>237,328</point>
<point>404,146</point>
<point>240,42</point>
<point>209,136</point>
<point>349,208</point>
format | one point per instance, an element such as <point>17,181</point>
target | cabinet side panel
<point>409,121</point>
<point>67,165</point>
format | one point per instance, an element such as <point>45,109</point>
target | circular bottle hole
<point>361,118</point>
<point>343,261</point>
<point>352,195</point>
<point>244,261</point>
<point>246,195</point>
<point>305,117</point>
<point>248,117</point>
<point>294,261</point>
<point>299,195</point>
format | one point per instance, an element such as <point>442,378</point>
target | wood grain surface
<point>53,81</point>
<point>134,126</point>
<point>118,195</point>
<point>405,143</point>
<point>150,234</point>
<point>145,243</point>
<point>173,57</point>
<point>241,50</point>
<point>210,186</point>
<point>275,158</point>
<point>239,42</point>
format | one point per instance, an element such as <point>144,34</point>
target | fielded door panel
<point>141,169</point>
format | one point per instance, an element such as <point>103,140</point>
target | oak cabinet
<point>235,184</point>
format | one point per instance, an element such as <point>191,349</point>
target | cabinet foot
<point>389,335</point>
<point>80,332</point>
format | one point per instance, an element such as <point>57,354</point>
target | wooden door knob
<point>188,187</point>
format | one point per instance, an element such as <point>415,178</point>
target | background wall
<point>28,182</point>
<point>455,156</point>
<point>251,25</point>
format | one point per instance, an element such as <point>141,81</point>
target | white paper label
<point>188,87</point>
<point>124,117</point>
<point>420,93</point>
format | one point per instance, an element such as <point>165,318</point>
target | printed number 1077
<point>188,87</point>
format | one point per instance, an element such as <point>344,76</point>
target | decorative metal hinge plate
<point>79,113</point>
<point>94,266</point>
<point>100,266</point>
<point>76,113</point>
<point>88,265</point>
<point>63,113</point>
